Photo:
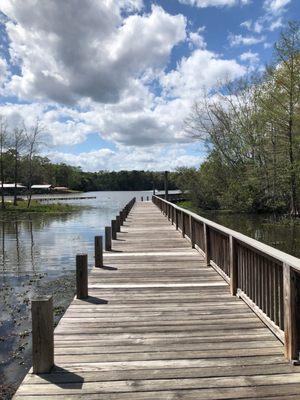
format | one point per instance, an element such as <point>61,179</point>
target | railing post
<point>42,335</point>
<point>114,229</point>
<point>192,231</point>
<point>81,276</point>
<point>176,219</point>
<point>98,252</point>
<point>291,318</point>
<point>233,265</point>
<point>108,238</point>
<point>206,244</point>
<point>182,223</point>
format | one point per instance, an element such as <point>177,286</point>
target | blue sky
<point>113,81</point>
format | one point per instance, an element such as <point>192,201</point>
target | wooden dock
<point>161,324</point>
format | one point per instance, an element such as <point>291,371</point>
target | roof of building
<point>41,186</point>
<point>11,185</point>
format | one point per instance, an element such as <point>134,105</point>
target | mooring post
<point>147,198</point>
<point>42,334</point>
<point>118,223</point>
<point>81,276</point>
<point>98,252</point>
<point>108,238</point>
<point>114,229</point>
<point>142,198</point>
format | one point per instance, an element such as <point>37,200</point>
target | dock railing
<point>267,279</point>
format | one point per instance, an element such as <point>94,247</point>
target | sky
<point>112,81</point>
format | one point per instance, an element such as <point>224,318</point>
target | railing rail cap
<point>261,247</point>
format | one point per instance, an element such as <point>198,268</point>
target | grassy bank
<point>37,207</point>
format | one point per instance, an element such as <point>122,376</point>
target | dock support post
<point>98,252</point>
<point>118,223</point>
<point>81,276</point>
<point>291,318</point>
<point>108,238</point>
<point>142,198</point>
<point>42,334</point>
<point>206,244</point>
<point>114,229</point>
<point>233,265</point>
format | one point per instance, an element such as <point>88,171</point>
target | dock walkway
<point>160,324</point>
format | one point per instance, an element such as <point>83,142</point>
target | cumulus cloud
<point>156,158</point>
<point>83,48</point>
<point>214,3</point>
<point>237,40</point>
<point>203,69</point>
<point>90,66</point>
<point>275,6</point>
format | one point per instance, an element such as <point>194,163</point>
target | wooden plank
<point>161,324</point>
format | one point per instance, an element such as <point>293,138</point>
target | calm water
<point>37,255</point>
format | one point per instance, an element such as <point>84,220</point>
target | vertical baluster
<point>233,265</point>
<point>207,246</point>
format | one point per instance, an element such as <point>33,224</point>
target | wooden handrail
<point>264,248</point>
<point>267,279</point>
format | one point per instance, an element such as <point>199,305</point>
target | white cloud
<point>153,158</point>
<point>237,40</point>
<point>250,56</point>
<point>196,40</point>
<point>67,51</point>
<point>275,6</point>
<point>4,71</point>
<point>203,69</point>
<point>214,3</point>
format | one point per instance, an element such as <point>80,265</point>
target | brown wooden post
<point>166,186</point>
<point>108,238</point>
<point>114,229</point>
<point>147,198</point>
<point>118,223</point>
<point>42,334</point>
<point>291,310</point>
<point>81,276</point>
<point>206,244</point>
<point>142,198</point>
<point>233,265</point>
<point>192,231</point>
<point>176,219</point>
<point>183,227</point>
<point>98,252</point>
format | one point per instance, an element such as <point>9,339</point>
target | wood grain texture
<point>160,324</point>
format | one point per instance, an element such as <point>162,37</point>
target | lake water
<point>37,256</point>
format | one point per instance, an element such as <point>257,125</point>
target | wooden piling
<point>114,229</point>
<point>108,238</point>
<point>42,334</point>
<point>98,252</point>
<point>81,276</point>
<point>118,223</point>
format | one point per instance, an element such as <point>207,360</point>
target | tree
<point>282,101</point>
<point>33,136</point>
<point>18,143</point>
<point>3,143</point>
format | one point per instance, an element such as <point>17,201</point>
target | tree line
<point>21,162</point>
<point>251,129</point>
